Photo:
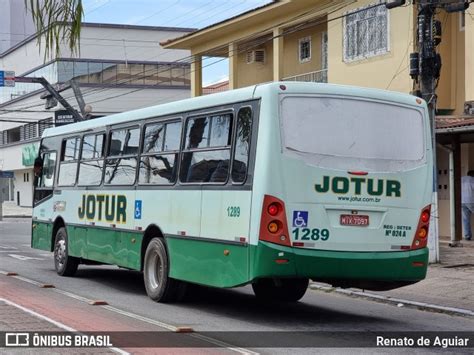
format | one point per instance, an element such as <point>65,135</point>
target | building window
<point>366,32</point>
<point>255,56</point>
<point>26,177</point>
<point>305,49</point>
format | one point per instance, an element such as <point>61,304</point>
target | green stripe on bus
<point>106,245</point>
<point>323,264</point>
<point>41,235</point>
<point>208,263</point>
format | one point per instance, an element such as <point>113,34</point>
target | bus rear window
<point>352,133</point>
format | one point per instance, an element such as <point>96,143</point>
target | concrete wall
<point>15,23</point>
<point>291,60</point>
<point>387,71</point>
<point>451,88</point>
<point>254,73</point>
<point>469,51</point>
<point>24,189</point>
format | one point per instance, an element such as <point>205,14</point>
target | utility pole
<point>425,68</point>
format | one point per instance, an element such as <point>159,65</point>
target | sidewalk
<point>14,319</point>
<point>12,210</point>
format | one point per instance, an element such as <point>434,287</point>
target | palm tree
<point>57,21</point>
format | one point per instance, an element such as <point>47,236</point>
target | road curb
<point>399,302</point>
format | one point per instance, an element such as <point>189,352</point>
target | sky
<point>172,13</point>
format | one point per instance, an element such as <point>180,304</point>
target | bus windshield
<point>336,132</point>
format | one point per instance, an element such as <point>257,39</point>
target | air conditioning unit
<point>255,56</point>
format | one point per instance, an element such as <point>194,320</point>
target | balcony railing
<point>319,76</point>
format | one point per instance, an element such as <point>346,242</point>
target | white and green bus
<point>270,185</point>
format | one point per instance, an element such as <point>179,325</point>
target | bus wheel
<point>280,290</point>
<point>64,264</point>
<point>159,286</point>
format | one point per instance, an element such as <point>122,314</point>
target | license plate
<point>354,220</point>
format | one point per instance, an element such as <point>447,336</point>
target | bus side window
<point>121,162</point>
<point>49,167</point>
<point>160,152</point>
<point>242,145</point>
<point>207,152</point>
<point>69,160</point>
<point>92,160</point>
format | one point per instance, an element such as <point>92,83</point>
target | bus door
<point>45,172</point>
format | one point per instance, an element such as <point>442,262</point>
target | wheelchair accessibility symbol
<point>138,209</point>
<point>300,219</point>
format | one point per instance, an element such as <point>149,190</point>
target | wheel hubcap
<point>60,253</point>
<point>154,268</point>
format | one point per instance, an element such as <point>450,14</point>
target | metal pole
<point>427,88</point>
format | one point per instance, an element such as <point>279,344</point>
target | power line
<point>225,47</point>
<point>256,44</point>
<point>97,8</point>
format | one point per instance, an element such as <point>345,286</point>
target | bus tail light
<point>273,225</point>
<point>421,235</point>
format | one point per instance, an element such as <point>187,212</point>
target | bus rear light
<point>359,173</point>
<point>273,209</point>
<point>281,261</point>
<point>421,236</point>
<point>422,233</point>
<point>273,227</point>
<point>298,244</point>
<point>273,224</point>
<point>425,216</point>
<point>418,264</point>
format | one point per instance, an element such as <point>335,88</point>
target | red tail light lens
<point>421,236</point>
<point>273,224</point>
<point>273,209</point>
<point>425,216</point>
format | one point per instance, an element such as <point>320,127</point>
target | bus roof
<point>228,97</point>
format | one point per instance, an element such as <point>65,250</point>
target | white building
<point>120,68</point>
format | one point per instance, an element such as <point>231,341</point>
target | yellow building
<point>344,42</point>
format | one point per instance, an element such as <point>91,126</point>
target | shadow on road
<point>237,303</point>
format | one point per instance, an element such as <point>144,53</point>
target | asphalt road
<point>210,310</point>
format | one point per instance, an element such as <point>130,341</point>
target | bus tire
<point>280,290</point>
<point>64,264</point>
<point>159,286</point>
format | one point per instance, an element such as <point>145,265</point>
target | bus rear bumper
<point>367,270</point>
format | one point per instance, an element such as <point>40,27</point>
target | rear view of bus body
<point>343,182</point>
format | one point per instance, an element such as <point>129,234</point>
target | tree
<point>57,21</point>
